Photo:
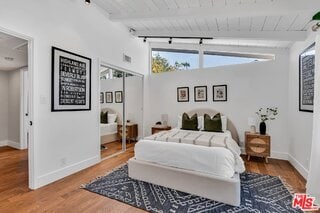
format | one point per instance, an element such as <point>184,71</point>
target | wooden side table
<point>131,131</point>
<point>159,128</point>
<point>257,145</point>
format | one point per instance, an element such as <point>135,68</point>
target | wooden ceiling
<point>255,20</point>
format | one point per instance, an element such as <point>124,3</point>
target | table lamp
<point>252,123</point>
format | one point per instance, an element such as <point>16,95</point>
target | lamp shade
<point>252,121</point>
<point>164,119</point>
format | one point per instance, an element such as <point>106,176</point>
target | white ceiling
<point>14,48</point>
<point>270,23</point>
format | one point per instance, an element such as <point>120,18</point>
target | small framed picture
<point>109,97</point>
<point>219,93</point>
<point>183,94</point>
<point>200,93</point>
<point>118,96</point>
<point>101,98</point>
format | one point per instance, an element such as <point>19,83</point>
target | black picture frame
<point>183,94</point>
<point>118,97</point>
<point>220,95</point>
<point>306,68</point>
<point>70,81</point>
<point>107,96</point>
<point>101,98</point>
<point>200,94</point>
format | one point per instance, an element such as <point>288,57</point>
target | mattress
<point>218,161</point>
<point>108,129</point>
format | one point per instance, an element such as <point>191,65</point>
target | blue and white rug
<point>259,193</point>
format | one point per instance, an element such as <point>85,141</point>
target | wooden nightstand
<point>159,128</point>
<point>131,131</point>
<point>257,145</point>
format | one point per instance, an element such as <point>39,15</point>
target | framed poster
<point>118,96</point>
<point>220,93</point>
<point>71,81</point>
<point>101,98</point>
<point>109,97</point>
<point>200,93</point>
<point>183,94</point>
<point>306,79</point>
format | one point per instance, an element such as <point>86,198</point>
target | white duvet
<point>207,152</point>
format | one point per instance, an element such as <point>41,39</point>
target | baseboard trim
<point>4,143</point>
<point>14,144</point>
<point>298,166</point>
<point>64,172</point>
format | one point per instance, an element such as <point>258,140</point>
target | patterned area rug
<point>259,193</point>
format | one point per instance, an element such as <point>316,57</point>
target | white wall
<point>3,107</point>
<point>250,86</point>
<point>65,142</point>
<point>133,98</point>
<point>299,123</point>
<point>14,107</point>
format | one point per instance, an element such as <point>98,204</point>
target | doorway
<point>121,116</point>
<point>15,108</point>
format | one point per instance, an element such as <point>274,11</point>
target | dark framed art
<point>118,96</point>
<point>101,98</point>
<point>183,94</point>
<point>109,97</point>
<point>200,93</point>
<point>306,79</point>
<point>71,81</point>
<point>220,93</point>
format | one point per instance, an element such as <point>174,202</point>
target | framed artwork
<point>118,96</point>
<point>200,93</point>
<point>220,93</point>
<point>109,97</point>
<point>183,94</point>
<point>71,81</point>
<point>306,79</point>
<point>101,98</point>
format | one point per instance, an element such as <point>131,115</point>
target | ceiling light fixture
<point>170,40</point>
<point>201,41</point>
<point>87,2</point>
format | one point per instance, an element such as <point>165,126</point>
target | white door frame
<point>31,148</point>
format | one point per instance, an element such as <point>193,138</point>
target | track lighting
<point>170,40</point>
<point>316,27</point>
<point>201,41</point>
<point>145,39</point>
<point>87,2</point>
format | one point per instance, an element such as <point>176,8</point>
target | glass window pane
<point>164,60</point>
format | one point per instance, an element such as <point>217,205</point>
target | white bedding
<point>107,129</point>
<point>217,161</point>
<point>209,152</point>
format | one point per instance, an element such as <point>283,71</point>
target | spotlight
<point>201,41</point>
<point>87,2</point>
<point>144,39</point>
<point>170,40</point>
<point>316,27</point>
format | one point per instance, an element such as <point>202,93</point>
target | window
<point>166,60</point>
<point>215,59</point>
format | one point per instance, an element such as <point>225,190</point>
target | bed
<point>109,131</point>
<point>206,164</point>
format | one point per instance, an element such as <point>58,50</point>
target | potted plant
<point>265,115</point>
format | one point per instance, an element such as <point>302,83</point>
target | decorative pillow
<point>200,122</point>
<point>224,122</point>
<point>189,123</point>
<point>214,124</point>
<point>104,117</point>
<point>112,118</point>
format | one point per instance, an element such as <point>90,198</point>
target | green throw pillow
<point>214,124</point>
<point>189,123</point>
<point>104,117</point>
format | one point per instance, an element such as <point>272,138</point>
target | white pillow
<point>112,118</point>
<point>224,123</point>
<point>200,122</point>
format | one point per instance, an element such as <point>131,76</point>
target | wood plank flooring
<point>66,196</point>
<point>113,148</point>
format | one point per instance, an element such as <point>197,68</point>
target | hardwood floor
<point>66,196</point>
<point>113,148</point>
